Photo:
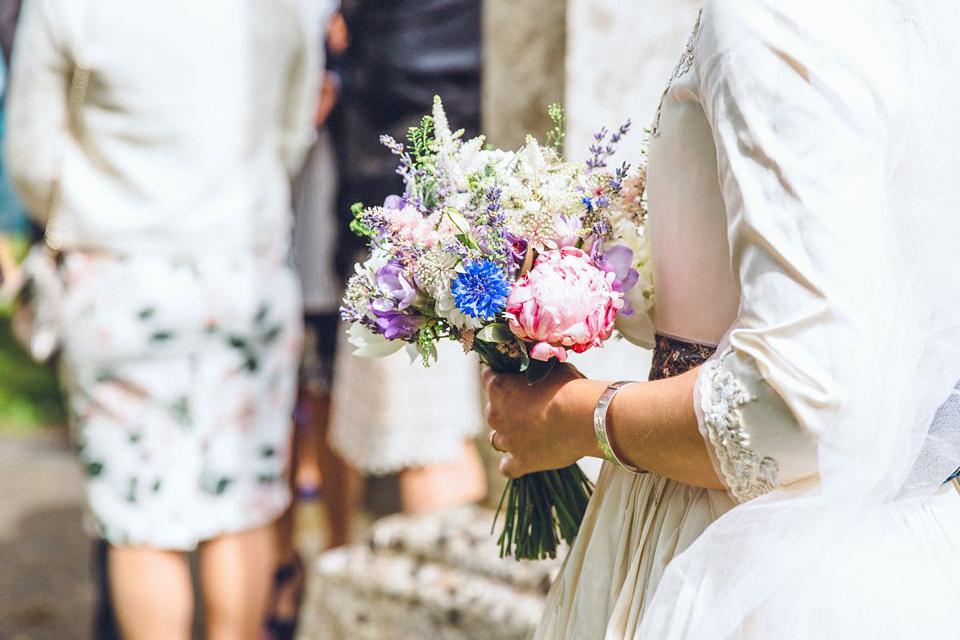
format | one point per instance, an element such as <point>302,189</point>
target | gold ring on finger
<point>493,444</point>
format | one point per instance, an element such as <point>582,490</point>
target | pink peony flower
<point>564,302</point>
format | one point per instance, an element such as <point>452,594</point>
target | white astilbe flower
<point>435,271</point>
<point>453,157</point>
<point>538,203</point>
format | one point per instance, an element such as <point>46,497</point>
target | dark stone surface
<point>46,591</point>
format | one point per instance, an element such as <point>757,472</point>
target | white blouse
<point>197,114</point>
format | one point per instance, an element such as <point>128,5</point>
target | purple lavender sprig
<point>495,241</point>
<point>616,183</point>
<point>396,148</point>
<point>410,171</point>
<point>603,151</point>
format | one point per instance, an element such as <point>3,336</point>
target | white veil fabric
<point>837,126</point>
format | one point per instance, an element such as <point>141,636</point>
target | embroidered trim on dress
<point>683,66</point>
<point>721,396</point>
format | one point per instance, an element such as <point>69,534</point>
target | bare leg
<point>152,593</point>
<point>235,573</point>
<point>287,586</point>
<point>341,483</point>
<point>456,483</point>
<point>9,270</point>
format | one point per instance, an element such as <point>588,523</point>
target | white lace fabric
<point>393,413</point>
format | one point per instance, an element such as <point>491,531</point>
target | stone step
<point>425,577</point>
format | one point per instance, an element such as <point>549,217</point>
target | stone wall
<point>524,44</point>
<point>605,60</point>
<point>619,57</point>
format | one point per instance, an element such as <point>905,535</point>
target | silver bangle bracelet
<point>600,426</point>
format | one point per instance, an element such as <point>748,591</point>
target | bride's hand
<point>539,426</point>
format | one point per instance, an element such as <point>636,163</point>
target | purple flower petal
<point>394,202</point>
<point>394,286</point>
<point>396,325</point>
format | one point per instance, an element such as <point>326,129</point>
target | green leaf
<point>496,333</point>
<point>421,141</point>
<point>271,334</point>
<point>180,411</point>
<point>357,225</point>
<point>555,137</point>
<point>524,356</point>
<point>537,370</point>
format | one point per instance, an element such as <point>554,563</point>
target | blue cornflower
<point>482,290</point>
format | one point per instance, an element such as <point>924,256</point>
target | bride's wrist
<point>576,407</point>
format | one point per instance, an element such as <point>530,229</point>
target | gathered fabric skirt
<point>180,378</point>
<point>634,526</point>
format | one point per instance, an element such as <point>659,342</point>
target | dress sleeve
<point>37,131</point>
<point>797,131</point>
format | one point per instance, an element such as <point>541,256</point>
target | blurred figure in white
<point>316,469</point>
<point>168,180</point>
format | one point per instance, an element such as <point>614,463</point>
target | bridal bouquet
<point>519,256</point>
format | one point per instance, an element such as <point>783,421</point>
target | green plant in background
<point>29,393</point>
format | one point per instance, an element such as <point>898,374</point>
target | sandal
<point>289,578</point>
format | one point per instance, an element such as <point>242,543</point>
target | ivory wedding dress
<point>804,214</point>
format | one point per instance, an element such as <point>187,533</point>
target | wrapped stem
<point>542,508</point>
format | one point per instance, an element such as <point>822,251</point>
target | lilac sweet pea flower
<point>394,202</point>
<point>397,291</point>
<point>518,248</point>
<point>617,260</point>
<point>568,228</point>
<point>395,325</point>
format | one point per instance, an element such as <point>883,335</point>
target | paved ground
<point>45,590</point>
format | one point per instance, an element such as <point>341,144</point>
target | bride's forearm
<point>651,425</point>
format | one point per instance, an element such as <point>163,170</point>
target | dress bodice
<point>697,298</point>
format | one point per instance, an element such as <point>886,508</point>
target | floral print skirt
<point>180,375</point>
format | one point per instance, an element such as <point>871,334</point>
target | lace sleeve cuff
<point>755,441</point>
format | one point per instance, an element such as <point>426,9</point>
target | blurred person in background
<point>390,415</point>
<point>183,323</point>
<point>13,219</point>
<point>316,469</point>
